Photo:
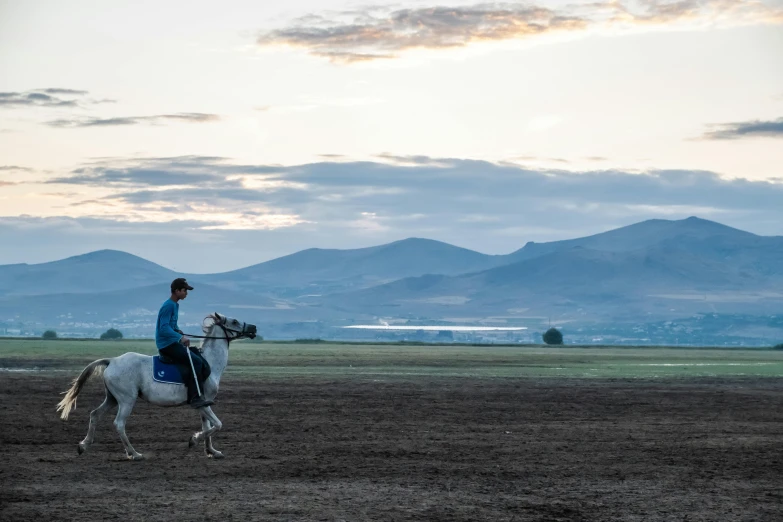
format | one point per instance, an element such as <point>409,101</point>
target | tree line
<point>110,334</point>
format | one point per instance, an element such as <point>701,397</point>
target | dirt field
<point>446,449</point>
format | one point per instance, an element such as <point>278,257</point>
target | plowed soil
<point>445,449</point>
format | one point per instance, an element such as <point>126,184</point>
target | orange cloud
<point>355,37</point>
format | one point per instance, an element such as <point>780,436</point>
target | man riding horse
<point>173,344</point>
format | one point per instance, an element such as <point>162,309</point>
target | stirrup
<point>200,402</point>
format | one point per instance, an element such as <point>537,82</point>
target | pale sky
<point>210,136</point>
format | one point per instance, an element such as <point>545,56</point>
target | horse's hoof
<point>81,448</point>
<point>136,457</point>
<point>191,442</point>
<point>216,455</point>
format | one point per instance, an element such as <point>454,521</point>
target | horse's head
<point>231,328</point>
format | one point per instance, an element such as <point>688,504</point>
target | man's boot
<point>198,401</point>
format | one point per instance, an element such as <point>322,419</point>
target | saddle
<point>166,370</point>
<point>165,360</point>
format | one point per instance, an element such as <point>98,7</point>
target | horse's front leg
<point>209,448</point>
<point>209,425</point>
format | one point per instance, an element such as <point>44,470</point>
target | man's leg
<point>206,370</point>
<point>198,367</point>
<point>201,366</point>
<point>178,353</point>
<point>201,369</point>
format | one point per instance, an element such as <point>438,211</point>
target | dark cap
<point>180,283</point>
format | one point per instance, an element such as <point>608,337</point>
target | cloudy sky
<point>208,136</point>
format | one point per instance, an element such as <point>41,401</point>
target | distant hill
<point>325,271</point>
<point>640,269</point>
<point>312,271</point>
<point>99,271</point>
<point>639,235</point>
<point>650,271</point>
<point>319,271</point>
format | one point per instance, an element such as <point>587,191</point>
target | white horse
<point>129,377</point>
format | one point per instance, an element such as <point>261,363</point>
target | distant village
<point>698,330</point>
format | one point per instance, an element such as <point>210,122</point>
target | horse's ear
<point>219,318</point>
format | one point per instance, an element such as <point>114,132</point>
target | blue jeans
<point>178,353</point>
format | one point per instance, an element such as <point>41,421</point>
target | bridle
<point>221,322</point>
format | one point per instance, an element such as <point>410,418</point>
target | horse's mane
<point>207,324</point>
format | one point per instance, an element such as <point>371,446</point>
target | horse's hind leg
<point>95,417</point>
<point>119,422</point>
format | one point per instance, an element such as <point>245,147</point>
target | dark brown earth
<point>446,449</point>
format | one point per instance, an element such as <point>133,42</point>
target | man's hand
<point>185,341</point>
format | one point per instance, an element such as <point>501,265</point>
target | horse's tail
<point>68,403</point>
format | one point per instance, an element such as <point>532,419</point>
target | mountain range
<point>652,271</point>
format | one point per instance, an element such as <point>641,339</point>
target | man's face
<point>181,293</point>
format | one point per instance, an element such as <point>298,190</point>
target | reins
<point>225,329</point>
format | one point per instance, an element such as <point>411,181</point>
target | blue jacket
<point>166,331</point>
